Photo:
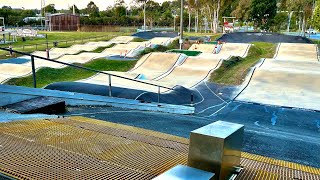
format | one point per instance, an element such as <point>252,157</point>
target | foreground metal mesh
<point>81,148</point>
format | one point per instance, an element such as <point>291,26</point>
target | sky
<point>60,4</point>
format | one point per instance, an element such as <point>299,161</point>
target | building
<point>62,22</point>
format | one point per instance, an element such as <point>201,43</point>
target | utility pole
<point>181,25</point>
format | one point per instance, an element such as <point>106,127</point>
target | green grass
<point>98,50</point>
<point>186,52</point>
<point>234,71</point>
<point>138,40</point>
<point>47,76</point>
<point>160,48</point>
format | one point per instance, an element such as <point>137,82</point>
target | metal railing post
<point>33,72</point>
<point>192,99</point>
<point>110,86</point>
<point>158,94</point>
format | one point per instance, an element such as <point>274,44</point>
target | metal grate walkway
<point>81,148</point>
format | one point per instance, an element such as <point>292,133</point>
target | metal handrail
<point>80,67</point>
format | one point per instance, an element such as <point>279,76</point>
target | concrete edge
<point>13,94</point>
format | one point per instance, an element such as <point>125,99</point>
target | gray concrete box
<point>216,148</point>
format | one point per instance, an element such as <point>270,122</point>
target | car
<point>311,31</point>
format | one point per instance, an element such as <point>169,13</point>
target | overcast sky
<point>60,4</point>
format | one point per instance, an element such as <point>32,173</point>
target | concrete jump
<point>122,39</point>
<point>205,48</point>
<point>227,50</point>
<point>165,41</point>
<point>157,64</point>
<point>148,68</point>
<point>297,52</point>
<point>13,70</point>
<point>235,49</point>
<point>286,84</point>
<point>191,72</point>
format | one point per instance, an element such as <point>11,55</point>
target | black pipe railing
<point>11,51</point>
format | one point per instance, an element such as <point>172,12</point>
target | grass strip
<point>46,76</point>
<point>234,71</point>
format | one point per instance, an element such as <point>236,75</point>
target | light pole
<point>144,15</point>
<point>174,14</point>
<point>181,26</point>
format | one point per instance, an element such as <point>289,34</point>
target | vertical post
<point>158,94</point>
<point>192,99</point>
<point>11,53</point>
<point>181,25</point>
<point>33,72</point>
<point>110,86</point>
<point>144,15</point>
<point>47,49</point>
<point>36,46</point>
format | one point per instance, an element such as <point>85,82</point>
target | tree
<point>50,9</point>
<point>316,17</point>
<point>263,12</point>
<point>92,9</point>
<point>242,11</point>
<point>76,9</point>
<point>280,20</point>
<point>304,10</point>
<point>144,12</point>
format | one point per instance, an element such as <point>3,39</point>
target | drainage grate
<point>80,148</point>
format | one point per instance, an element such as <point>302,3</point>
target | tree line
<point>274,15</point>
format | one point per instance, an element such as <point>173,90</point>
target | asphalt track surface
<point>151,34</point>
<point>247,37</point>
<point>281,133</point>
<point>287,134</point>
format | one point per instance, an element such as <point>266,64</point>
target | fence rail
<point>83,68</point>
<point>64,42</point>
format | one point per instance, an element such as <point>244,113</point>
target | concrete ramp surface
<point>297,52</point>
<point>157,64</point>
<point>191,72</point>
<point>63,51</point>
<point>235,49</point>
<point>122,39</point>
<point>292,66</point>
<point>53,55</point>
<point>102,79</point>
<point>285,84</point>
<point>205,48</point>
<point>80,58</point>
<point>14,69</point>
<point>99,43</point>
<point>39,63</point>
<point>8,71</point>
<point>161,40</point>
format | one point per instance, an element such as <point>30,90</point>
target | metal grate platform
<point>81,148</point>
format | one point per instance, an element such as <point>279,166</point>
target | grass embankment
<point>71,37</point>
<point>47,76</point>
<point>139,40</point>
<point>161,48</point>
<point>234,71</point>
<point>98,50</point>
